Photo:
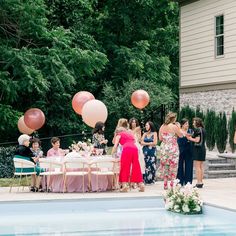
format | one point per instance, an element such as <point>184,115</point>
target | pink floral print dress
<point>169,157</point>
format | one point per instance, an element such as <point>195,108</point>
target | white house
<point>208,54</point>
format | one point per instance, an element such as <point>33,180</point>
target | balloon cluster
<point>91,110</point>
<point>84,104</point>
<point>32,120</point>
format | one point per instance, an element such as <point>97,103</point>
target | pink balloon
<point>22,126</point>
<point>140,98</point>
<point>94,111</point>
<point>34,118</point>
<point>80,99</point>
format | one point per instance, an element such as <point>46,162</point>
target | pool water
<point>124,216</point>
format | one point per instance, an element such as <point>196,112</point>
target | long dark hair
<point>152,126</point>
<point>131,121</point>
<point>98,128</point>
<point>183,121</point>
<point>198,122</point>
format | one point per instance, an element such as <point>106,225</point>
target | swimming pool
<point>124,216</point>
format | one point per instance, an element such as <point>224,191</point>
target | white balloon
<point>94,111</point>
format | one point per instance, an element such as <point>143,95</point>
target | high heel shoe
<point>141,187</point>
<point>199,186</point>
<point>124,188</point>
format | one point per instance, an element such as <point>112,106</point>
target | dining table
<point>75,183</point>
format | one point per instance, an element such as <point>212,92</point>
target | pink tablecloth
<point>75,183</point>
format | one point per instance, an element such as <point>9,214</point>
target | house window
<point>219,35</point>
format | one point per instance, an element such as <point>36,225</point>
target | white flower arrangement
<point>185,200</point>
<point>85,148</point>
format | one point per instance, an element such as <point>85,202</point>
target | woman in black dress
<point>199,150</point>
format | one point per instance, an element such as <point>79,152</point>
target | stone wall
<point>218,100</point>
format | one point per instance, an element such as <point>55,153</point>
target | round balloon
<point>80,99</point>
<point>34,118</point>
<point>140,98</point>
<point>22,126</point>
<point>94,111</point>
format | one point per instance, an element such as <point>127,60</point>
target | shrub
<point>188,113</point>
<point>221,132</point>
<point>6,162</point>
<point>209,121</point>
<point>232,124</point>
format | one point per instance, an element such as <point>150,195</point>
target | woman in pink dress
<point>130,170</point>
<point>169,150</point>
<point>55,150</point>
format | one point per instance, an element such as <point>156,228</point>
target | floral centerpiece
<point>185,200</point>
<point>85,148</point>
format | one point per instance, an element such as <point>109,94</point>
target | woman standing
<point>185,167</point>
<point>136,129</point>
<point>129,164</point>
<point>169,156</point>
<point>199,150</point>
<point>99,140</point>
<point>149,142</point>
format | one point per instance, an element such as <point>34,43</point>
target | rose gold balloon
<point>34,118</point>
<point>22,126</point>
<point>94,111</point>
<point>80,99</point>
<point>140,98</point>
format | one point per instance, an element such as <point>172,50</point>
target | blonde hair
<point>122,124</point>
<point>170,118</point>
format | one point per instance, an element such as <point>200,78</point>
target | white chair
<point>103,167</point>
<point>75,167</point>
<point>52,168</point>
<point>23,168</point>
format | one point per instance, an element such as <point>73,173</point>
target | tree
<point>188,113</point>
<point>232,125</point>
<point>120,105</point>
<point>221,132</point>
<point>41,66</point>
<point>210,122</point>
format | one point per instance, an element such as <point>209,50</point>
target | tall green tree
<point>221,132</point>
<point>232,125</point>
<point>41,65</point>
<point>210,122</point>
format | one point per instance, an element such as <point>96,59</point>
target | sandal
<point>141,187</point>
<point>124,189</point>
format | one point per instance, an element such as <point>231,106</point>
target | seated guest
<point>99,140</point>
<point>55,150</point>
<point>35,147</point>
<point>23,151</point>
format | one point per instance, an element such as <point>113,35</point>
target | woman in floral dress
<point>99,140</point>
<point>169,150</point>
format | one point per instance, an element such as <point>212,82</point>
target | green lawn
<point>4,182</point>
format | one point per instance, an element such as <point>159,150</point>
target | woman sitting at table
<point>130,170</point>
<point>23,152</point>
<point>99,141</point>
<point>55,150</point>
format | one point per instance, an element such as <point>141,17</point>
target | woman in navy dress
<point>149,142</point>
<point>185,167</point>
